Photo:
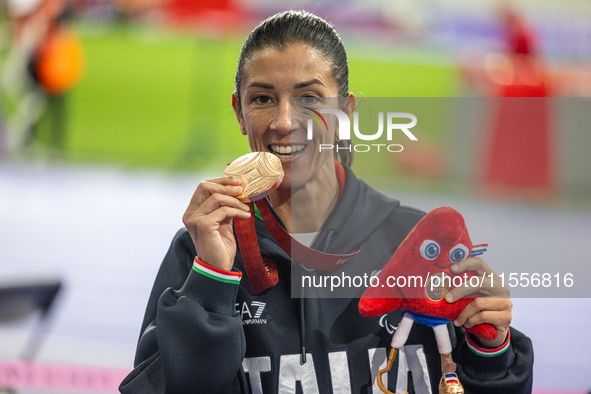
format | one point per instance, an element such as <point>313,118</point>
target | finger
<point>224,185</point>
<point>479,305</point>
<point>225,180</point>
<point>207,188</point>
<point>462,291</point>
<point>213,216</point>
<point>499,319</point>
<point>476,264</point>
<point>217,200</point>
<point>219,185</point>
<point>489,283</point>
<point>223,213</point>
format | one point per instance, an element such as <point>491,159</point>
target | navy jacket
<point>203,335</point>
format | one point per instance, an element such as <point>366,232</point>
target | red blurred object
<point>520,40</point>
<point>519,148</point>
<point>224,14</point>
<point>185,8</point>
<point>519,153</point>
<point>427,160</point>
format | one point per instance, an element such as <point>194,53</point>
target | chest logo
<point>252,313</point>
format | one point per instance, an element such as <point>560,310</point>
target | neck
<point>306,209</point>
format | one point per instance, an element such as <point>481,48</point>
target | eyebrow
<point>307,83</point>
<point>296,86</point>
<point>261,85</point>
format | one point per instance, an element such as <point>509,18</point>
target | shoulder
<point>400,223</point>
<point>397,213</point>
<point>405,215</point>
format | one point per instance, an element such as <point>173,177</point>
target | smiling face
<point>271,78</point>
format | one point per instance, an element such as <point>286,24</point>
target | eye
<point>429,249</point>
<point>309,100</point>
<point>262,99</point>
<point>458,253</point>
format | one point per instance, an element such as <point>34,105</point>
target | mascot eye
<point>429,249</point>
<point>458,253</point>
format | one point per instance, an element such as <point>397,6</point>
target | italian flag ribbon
<point>216,273</point>
<point>488,352</point>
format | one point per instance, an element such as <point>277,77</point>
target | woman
<point>209,328</point>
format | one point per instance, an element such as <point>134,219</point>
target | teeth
<point>287,150</point>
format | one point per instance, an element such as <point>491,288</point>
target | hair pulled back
<point>300,27</point>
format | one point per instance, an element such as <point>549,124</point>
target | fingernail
<point>456,323</point>
<point>237,189</point>
<point>453,268</point>
<point>449,297</point>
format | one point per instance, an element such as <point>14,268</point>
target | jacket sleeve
<point>507,369</point>
<point>191,338</point>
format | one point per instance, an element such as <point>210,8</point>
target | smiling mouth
<point>286,152</point>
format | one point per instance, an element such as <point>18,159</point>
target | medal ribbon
<point>263,272</point>
<point>262,276</point>
<point>308,257</point>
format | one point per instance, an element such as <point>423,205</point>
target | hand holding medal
<point>216,202</point>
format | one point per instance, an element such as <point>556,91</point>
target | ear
<point>238,113</point>
<point>351,104</point>
<point>348,107</point>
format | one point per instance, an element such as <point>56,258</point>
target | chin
<point>292,184</point>
<point>286,183</point>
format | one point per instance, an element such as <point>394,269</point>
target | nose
<point>282,122</point>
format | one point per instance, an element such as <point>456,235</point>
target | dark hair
<point>291,27</point>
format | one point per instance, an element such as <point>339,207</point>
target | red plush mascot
<point>439,240</point>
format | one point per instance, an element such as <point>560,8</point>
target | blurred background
<point>112,111</point>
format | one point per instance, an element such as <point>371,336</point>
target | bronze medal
<point>437,286</point>
<point>260,173</point>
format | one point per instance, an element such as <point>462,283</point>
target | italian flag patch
<point>488,352</point>
<point>216,273</point>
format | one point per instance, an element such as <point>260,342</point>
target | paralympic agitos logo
<point>345,129</point>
